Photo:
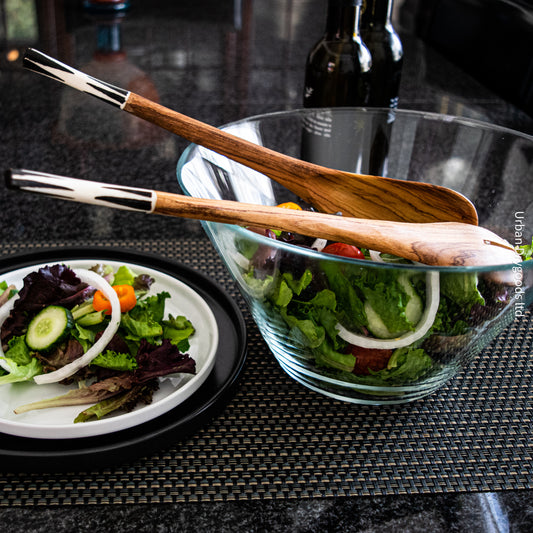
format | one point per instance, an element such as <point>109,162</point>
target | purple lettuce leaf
<point>50,285</point>
<point>156,361</point>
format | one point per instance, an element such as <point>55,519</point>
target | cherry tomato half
<point>345,250</point>
<point>369,359</point>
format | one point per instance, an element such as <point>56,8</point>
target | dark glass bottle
<point>337,76</point>
<point>386,49</point>
<point>338,66</point>
<point>387,61</point>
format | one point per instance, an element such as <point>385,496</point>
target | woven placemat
<point>277,439</point>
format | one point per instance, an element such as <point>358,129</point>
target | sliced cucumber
<point>414,307</point>
<point>376,326</point>
<point>413,312</point>
<point>49,327</point>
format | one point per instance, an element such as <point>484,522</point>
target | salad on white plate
<point>101,335</point>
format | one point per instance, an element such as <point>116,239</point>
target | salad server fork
<point>436,243</point>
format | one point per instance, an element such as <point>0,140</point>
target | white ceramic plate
<point>57,422</point>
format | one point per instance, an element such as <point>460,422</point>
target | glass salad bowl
<point>372,328</point>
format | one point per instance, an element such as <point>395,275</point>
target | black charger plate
<point>21,454</point>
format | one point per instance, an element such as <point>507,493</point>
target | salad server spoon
<point>326,189</point>
<point>433,243</point>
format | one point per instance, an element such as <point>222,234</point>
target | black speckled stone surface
<point>217,61</point>
<point>438,514</point>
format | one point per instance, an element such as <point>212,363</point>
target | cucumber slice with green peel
<point>413,312</point>
<point>415,306</point>
<point>376,326</point>
<point>48,327</point>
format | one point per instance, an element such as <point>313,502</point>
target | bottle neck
<point>343,19</point>
<point>376,14</point>
<point>107,15</point>
<point>109,38</point>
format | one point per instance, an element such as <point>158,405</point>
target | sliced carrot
<point>290,205</point>
<point>126,297</point>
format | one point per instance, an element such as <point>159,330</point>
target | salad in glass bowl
<point>356,324</point>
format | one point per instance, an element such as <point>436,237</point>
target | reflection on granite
<point>215,64</point>
<point>218,62</point>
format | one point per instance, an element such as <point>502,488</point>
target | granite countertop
<point>217,62</point>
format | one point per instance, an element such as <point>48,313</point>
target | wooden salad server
<point>434,243</point>
<point>326,189</point>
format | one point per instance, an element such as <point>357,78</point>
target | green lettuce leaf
<point>298,285</point>
<point>108,405</point>
<point>84,336</point>
<point>144,328</point>
<point>389,301</point>
<point>310,322</point>
<point>19,373</point>
<point>286,287</point>
<point>406,364</point>
<point>323,311</point>
<point>18,351</point>
<point>305,331</point>
<point>526,251</point>
<point>124,276</point>
<point>258,288</point>
<point>144,320</point>
<point>282,294</point>
<point>246,248</point>
<point>115,361</point>
<point>350,307</point>
<point>450,319</point>
<point>178,330</point>
<point>461,288</point>
<point>326,356</point>
<point>153,306</point>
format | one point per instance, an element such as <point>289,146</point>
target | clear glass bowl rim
<point>266,241</point>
